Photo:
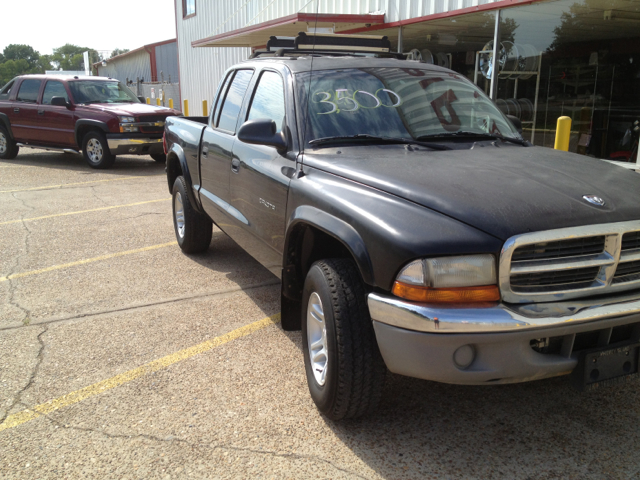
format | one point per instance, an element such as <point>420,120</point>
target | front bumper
<point>123,144</point>
<point>493,344</point>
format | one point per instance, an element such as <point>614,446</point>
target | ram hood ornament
<point>594,200</point>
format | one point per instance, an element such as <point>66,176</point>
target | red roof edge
<point>296,17</point>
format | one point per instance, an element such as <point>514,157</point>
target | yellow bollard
<point>148,101</point>
<point>205,110</point>
<point>186,108</point>
<point>158,101</point>
<point>563,132</point>
<point>171,103</point>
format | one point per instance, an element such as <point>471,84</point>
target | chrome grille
<point>570,263</point>
<point>631,241</point>
<point>559,249</point>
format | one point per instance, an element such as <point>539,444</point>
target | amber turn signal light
<point>486,293</point>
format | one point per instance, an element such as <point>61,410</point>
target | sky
<point>101,25</point>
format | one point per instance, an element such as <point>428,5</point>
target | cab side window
<point>29,90</point>
<point>53,89</point>
<point>4,93</point>
<point>268,101</point>
<point>233,100</point>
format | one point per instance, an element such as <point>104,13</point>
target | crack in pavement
<point>17,398</point>
<point>207,445</point>
<point>227,291</point>
<point>26,247</point>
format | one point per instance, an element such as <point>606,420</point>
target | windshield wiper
<point>366,136</point>
<point>462,134</point>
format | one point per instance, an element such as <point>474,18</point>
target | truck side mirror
<point>59,102</point>
<point>142,99</point>
<point>516,123</point>
<point>262,132</point>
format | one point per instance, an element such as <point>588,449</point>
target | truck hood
<point>131,109</point>
<point>503,191</point>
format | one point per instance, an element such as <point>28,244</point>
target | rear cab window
<point>29,90</point>
<point>233,100</point>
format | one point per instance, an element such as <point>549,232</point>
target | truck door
<point>259,183</point>
<point>24,111</point>
<point>56,123</point>
<point>216,146</point>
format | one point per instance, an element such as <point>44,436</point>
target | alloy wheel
<point>178,208</point>
<point>94,150</point>
<point>317,338</point>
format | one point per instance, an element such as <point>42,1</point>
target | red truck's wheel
<point>8,147</point>
<point>96,150</point>
<point>193,230</point>
<point>345,371</point>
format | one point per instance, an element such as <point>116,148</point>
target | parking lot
<point>121,357</point>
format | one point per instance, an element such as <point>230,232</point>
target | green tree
<point>70,57</point>
<point>20,60</point>
<point>13,68</point>
<point>119,51</point>
<point>21,52</point>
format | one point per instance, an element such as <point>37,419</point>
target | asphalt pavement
<point>122,357</point>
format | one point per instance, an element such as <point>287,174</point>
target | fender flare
<point>90,123</point>
<point>177,152</point>
<point>4,120</point>
<point>336,228</point>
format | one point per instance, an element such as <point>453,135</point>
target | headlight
<point>125,126</point>
<point>467,278</point>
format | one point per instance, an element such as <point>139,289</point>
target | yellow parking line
<point>88,260</point>
<point>83,211</point>
<point>46,187</point>
<point>27,415</point>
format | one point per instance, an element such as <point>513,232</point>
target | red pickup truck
<point>97,115</point>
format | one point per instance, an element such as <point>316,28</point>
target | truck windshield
<point>408,103</point>
<point>101,91</point>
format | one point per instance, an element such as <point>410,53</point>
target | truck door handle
<point>235,165</point>
<point>40,112</point>
<point>205,150</point>
<point>16,110</point>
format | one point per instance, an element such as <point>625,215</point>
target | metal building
<point>152,62</point>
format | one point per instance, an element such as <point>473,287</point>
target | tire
<point>159,157</point>
<point>193,229</point>
<point>336,319</point>
<point>8,147</point>
<point>95,150</point>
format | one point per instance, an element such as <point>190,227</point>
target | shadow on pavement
<point>131,165</point>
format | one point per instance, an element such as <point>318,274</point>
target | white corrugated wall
<point>201,68</point>
<point>131,66</point>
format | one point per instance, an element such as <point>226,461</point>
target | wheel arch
<point>84,126</point>
<point>4,121</point>
<point>314,234</point>
<point>177,166</point>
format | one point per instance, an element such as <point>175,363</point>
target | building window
<point>188,8</point>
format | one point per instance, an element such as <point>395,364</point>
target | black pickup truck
<point>413,228</point>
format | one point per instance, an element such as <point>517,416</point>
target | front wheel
<point>193,229</point>
<point>159,157</point>
<point>8,147</point>
<point>345,371</point>
<point>96,151</point>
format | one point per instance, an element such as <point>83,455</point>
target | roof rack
<point>328,44</point>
